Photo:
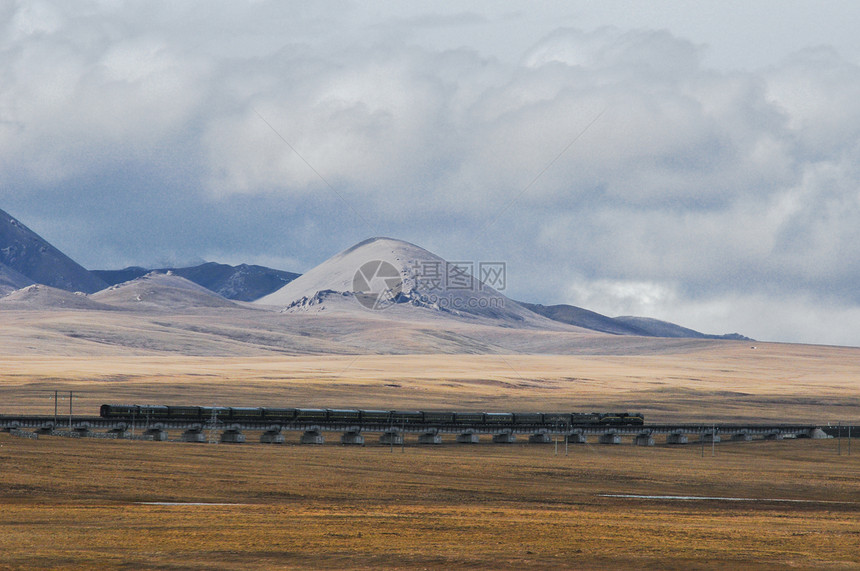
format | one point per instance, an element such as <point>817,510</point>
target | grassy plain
<point>70,503</point>
<point>719,383</point>
<point>86,503</point>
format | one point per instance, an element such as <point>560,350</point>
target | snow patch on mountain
<point>361,278</point>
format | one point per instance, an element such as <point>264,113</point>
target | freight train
<point>378,417</point>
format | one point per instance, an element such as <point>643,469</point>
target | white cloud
<point>694,186</point>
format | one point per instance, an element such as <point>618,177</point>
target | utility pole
<point>839,438</point>
<point>713,440</point>
<point>56,399</point>
<point>566,439</point>
<point>70,410</point>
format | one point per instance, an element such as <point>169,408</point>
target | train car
<point>153,410</point>
<point>438,417</point>
<point>584,418</point>
<point>118,410</point>
<point>279,414</point>
<point>556,418</point>
<point>246,413</point>
<point>311,415</point>
<point>376,416</point>
<point>499,417</point>
<point>343,415</point>
<point>469,417</point>
<point>184,412</point>
<point>621,419</point>
<point>527,418</point>
<point>406,417</point>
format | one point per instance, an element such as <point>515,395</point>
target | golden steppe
<point>717,382</point>
<point>95,503</point>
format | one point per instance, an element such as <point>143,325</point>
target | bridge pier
<point>774,435</point>
<point>272,436</point>
<point>676,438</point>
<point>47,429</point>
<point>312,437</point>
<point>232,436</point>
<point>391,438</point>
<point>352,438</point>
<point>430,438</point>
<point>643,439</point>
<point>816,433</point>
<point>610,437</point>
<point>157,434</point>
<point>504,438</point>
<point>468,438</point>
<point>710,437</point>
<point>193,435</point>
<point>540,438</point>
<point>576,438</point>
<point>120,433</point>
<point>742,436</point>
<point>81,432</point>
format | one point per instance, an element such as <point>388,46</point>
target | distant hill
<point>11,280</point>
<point>160,292</point>
<point>32,256</point>
<point>41,297</point>
<point>240,283</point>
<point>626,325</point>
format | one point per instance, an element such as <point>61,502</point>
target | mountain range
<point>379,278</point>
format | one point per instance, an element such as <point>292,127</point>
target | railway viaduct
<point>353,433</point>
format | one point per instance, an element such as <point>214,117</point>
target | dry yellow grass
<point>78,503</point>
<point>720,384</point>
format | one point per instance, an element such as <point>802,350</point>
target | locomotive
<point>379,417</point>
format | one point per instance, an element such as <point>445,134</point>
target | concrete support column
<point>643,439</point>
<point>741,437</point>
<point>391,438</point>
<point>430,438</point>
<point>610,438</point>
<point>193,435</point>
<point>272,436</point>
<point>676,438</point>
<point>504,438</point>
<point>312,437</point>
<point>817,433</point>
<point>82,432</point>
<point>352,438</point>
<point>468,438</point>
<point>157,434</point>
<point>540,438</point>
<point>576,438</point>
<point>120,433</point>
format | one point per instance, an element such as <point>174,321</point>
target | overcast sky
<point>697,162</point>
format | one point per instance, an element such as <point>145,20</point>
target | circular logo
<point>377,284</point>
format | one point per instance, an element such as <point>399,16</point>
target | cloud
<point>608,166</point>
